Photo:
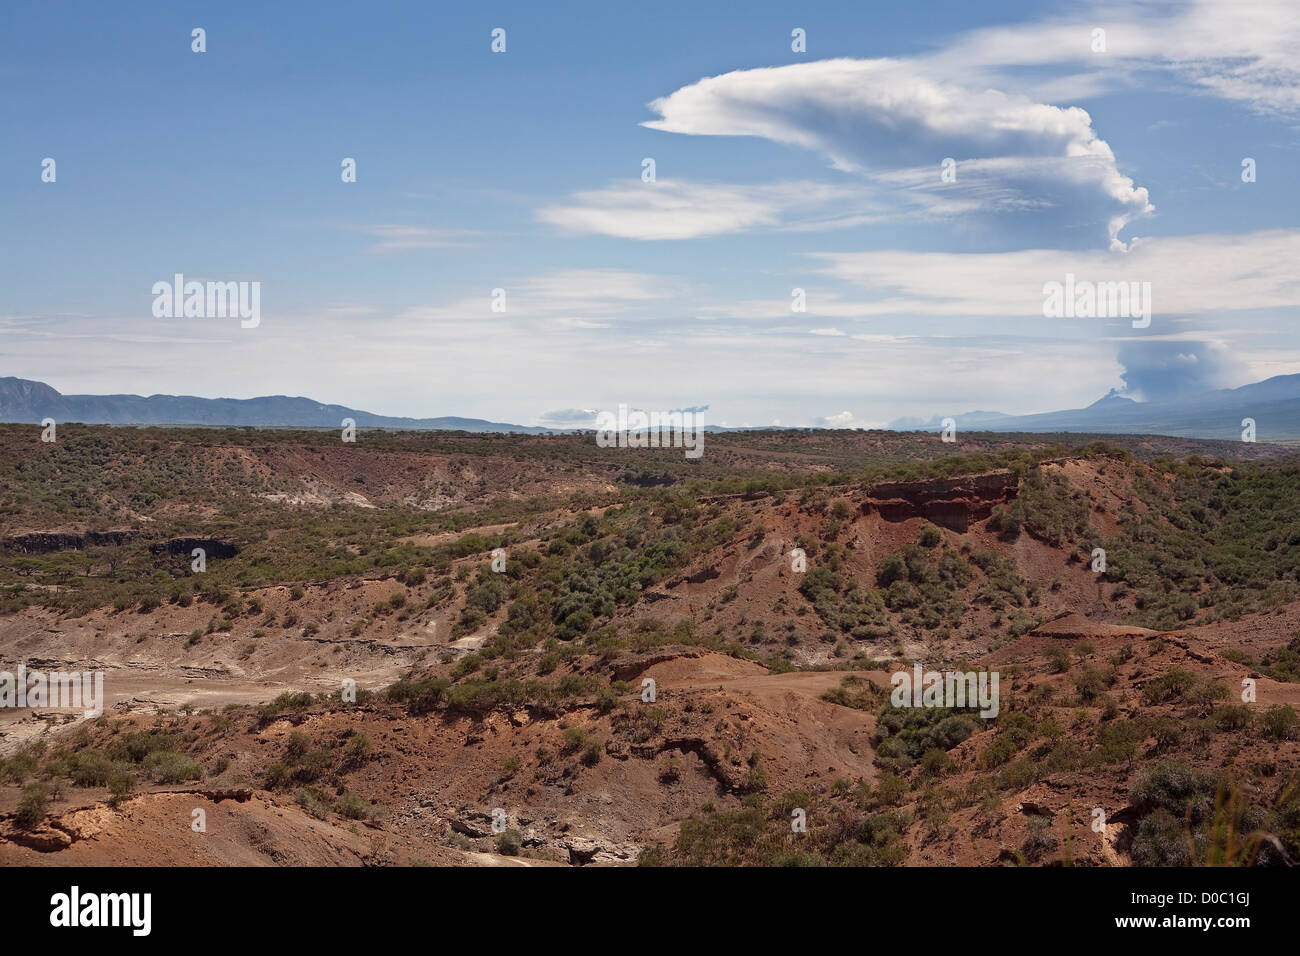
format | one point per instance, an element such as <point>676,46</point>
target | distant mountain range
<point>1273,404</point>
<point>22,400</point>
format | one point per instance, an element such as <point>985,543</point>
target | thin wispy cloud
<point>399,238</point>
<point>1242,51</point>
<point>1188,275</point>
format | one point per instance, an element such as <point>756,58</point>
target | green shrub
<point>312,801</point>
<point>353,806</point>
<point>1170,686</point>
<point>20,766</point>
<point>89,768</point>
<point>313,765</point>
<point>1039,842</point>
<point>1162,840</point>
<point>120,785</point>
<point>509,842</point>
<point>32,806</point>
<point>277,776</point>
<point>592,753</point>
<point>1185,791</point>
<point>420,697</point>
<point>1278,722</point>
<point>298,745</point>
<point>1091,683</point>
<point>166,767</point>
<point>1118,741</point>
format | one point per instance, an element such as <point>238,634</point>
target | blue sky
<point>775,170</point>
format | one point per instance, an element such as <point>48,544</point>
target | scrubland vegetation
<point>1187,542</point>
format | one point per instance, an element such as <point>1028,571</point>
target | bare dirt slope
<point>501,717</point>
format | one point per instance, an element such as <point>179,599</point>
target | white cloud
<point>570,288</point>
<point>889,119</point>
<point>983,99</point>
<point>662,210</point>
<point>1242,51</point>
<point>569,417</point>
<point>844,419</point>
<point>679,209</point>
<point>561,299</point>
<point>1189,275</point>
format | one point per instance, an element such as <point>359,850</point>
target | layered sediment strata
<point>951,503</point>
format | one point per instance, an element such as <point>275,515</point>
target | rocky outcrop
<point>212,547</point>
<point>48,542</point>
<point>1073,626</point>
<point>952,503</point>
<point>585,850</point>
<point>580,850</point>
